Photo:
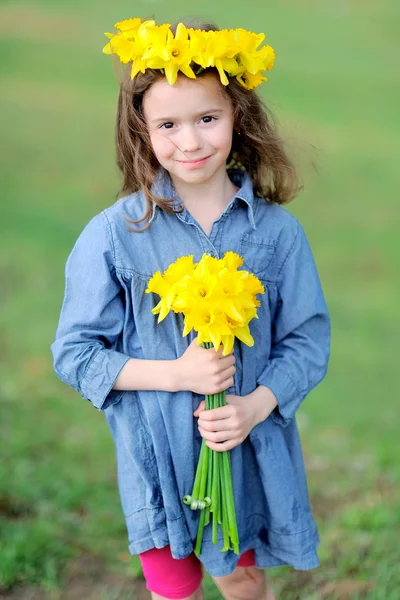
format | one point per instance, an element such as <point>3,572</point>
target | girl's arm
<point>298,359</point>
<point>300,333</point>
<point>91,321</point>
<point>199,370</point>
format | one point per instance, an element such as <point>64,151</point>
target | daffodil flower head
<point>164,288</point>
<point>216,298</point>
<point>232,260</point>
<point>234,52</point>
<point>183,266</point>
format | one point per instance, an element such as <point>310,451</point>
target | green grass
<point>335,91</point>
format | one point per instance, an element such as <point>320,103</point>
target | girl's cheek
<point>161,144</point>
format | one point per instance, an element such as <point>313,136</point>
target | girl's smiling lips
<point>194,163</point>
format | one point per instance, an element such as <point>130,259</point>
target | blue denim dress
<point>106,319</point>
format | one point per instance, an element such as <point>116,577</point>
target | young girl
<point>204,171</point>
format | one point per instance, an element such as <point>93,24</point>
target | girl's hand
<point>204,371</point>
<point>226,427</point>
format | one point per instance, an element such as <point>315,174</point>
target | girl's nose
<point>191,141</point>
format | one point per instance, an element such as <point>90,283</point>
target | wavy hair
<point>256,145</point>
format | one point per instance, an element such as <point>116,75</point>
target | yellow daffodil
<point>154,36</point>
<point>194,291</point>
<point>159,285</point>
<point>252,284</point>
<point>182,267</point>
<point>171,54</point>
<point>216,298</point>
<point>209,325</point>
<point>250,81</point>
<point>129,25</point>
<point>218,52</point>
<point>234,53</point>
<point>128,32</point>
<point>267,54</point>
<point>120,45</point>
<point>244,335</point>
<point>232,260</point>
<point>208,265</point>
<point>143,37</point>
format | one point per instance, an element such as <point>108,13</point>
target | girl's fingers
<point>225,362</point>
<point>200,408</point>
<point>214,426</point>
<point>229,372</point>
<point>217,436</point>
<point>221,447</point>
<point>217,414</point>
<point>226,384</point>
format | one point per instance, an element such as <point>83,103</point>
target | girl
<point>204,171</point>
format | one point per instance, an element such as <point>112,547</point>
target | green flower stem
<point>215,497</point>
<point>199,539</point>
<point>204,469</point>
<point>213,480</point>
<point>233,532</point>
<point>209,484</point>
<point>225,522</point>
<point>220,475</point>
<point>219,491</point>
<point>196,485</point>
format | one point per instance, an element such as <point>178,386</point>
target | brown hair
<point>256,145</point>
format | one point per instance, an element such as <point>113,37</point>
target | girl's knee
<point>197,595</point>
<point>245,583</point>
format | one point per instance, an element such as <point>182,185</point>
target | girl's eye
<point>205,119</point>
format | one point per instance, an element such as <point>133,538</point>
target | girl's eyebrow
<point>203,112</point>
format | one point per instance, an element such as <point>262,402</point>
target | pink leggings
<point>172,578</point>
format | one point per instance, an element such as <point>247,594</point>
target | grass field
<point>335,90</point>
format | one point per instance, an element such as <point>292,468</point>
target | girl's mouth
<point>192,164</point>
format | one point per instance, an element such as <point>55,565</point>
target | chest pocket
<point>257,253</point>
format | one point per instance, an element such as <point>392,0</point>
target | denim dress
<point>106,319</point>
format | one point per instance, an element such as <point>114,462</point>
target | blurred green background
<point>335,91</point>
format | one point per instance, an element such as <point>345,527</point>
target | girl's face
<point>190,125</point>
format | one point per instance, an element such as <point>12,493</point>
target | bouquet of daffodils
<point>218,301</point>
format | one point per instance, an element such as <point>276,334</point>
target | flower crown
<point>232,52</point>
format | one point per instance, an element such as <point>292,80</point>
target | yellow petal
<point>128,24</point>
<point>187,327</point>
<point>201,338</point>
<point>164,311</point>
<point>222,74</point>
<point>181,32</point>
<point>171,73</point>
<point>215,336</point>
<point>136,67</point>
<point>186,70</point>
<point>244,335</point>
<point>227,342</point>
<point>157,284</point>
<point>232,311</point>
<point>157,308</point>
<point>232,260</point>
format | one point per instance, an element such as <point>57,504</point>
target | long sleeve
<point>300,332</point>
<point>92,318</point>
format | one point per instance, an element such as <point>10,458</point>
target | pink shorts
<point>172,578</point>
